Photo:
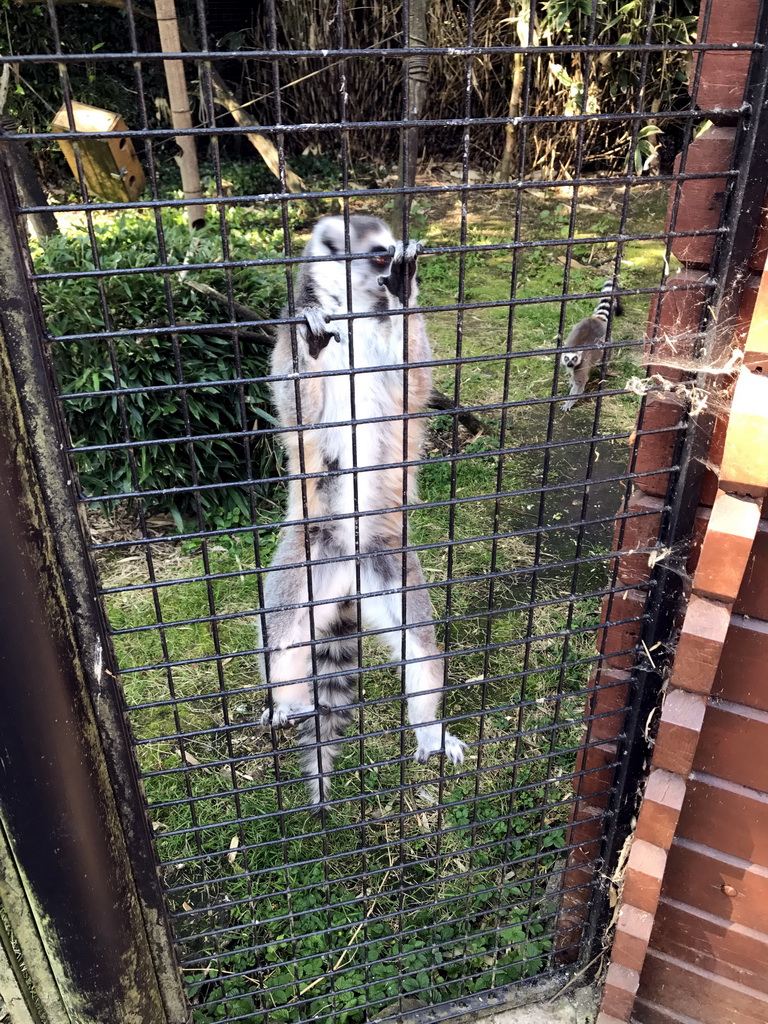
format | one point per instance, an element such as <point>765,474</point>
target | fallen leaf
<point>233,845</point>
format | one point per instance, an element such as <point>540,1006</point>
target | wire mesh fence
<point>244,543</point>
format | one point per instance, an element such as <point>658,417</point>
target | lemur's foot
<point>403,270</point>
<point>454,750</point>
<point>319,332</point>
<point>284,717</point>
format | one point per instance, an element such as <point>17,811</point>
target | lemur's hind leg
<point>290,636</point>
<point>336,686</point>
<point>423,678</point>
<point>290,628</point>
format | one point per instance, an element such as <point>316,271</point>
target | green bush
<point>152,360</point>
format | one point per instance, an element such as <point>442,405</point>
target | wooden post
<point>181,117</point>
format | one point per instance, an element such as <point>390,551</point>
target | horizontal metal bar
<point>442,250</point>
<point>490,613</point>
<point>226,485</point>
<point>378,192</point>
<point>454,52</point>
<point>451,307</point>
<point>593,660</point>
<point>518,706</point>
<point>527,640</point>
<point>183,387</point>
<point>481,1002</point>
<point>394,959</point>
<point>355,471</point>
<point>406,933</point>
<point>255,528</point>
<point>417,862</point>
<point>203,131</point>
<point>354,738</point>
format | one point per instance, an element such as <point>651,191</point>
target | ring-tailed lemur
<point>381,282</point>
<point>580,360</point>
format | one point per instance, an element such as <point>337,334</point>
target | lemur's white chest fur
<point>350,387</point>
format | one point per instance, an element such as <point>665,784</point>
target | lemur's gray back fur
<point>582,346</point>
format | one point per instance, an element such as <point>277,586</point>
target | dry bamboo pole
<point>181,115</point>
<point>263,146</point>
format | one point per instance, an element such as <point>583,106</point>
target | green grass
<point>455,870</point>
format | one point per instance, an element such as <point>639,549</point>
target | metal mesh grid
<point>433,882</point>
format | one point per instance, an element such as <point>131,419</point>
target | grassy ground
<point>419,883</point>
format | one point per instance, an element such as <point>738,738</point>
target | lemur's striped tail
<point>603,308</point>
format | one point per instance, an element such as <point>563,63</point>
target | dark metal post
<point>77,847</point>
<point>42,224</point>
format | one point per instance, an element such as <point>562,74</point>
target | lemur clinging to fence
<point>579,360</point>
<point>382,281</point>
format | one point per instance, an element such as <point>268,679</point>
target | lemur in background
<point>579,360</point>
<point>383,281</point>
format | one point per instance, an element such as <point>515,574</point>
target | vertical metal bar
<point>81,850</point>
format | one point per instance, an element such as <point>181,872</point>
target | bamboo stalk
<point>263,146</point>
<point>181,115</point>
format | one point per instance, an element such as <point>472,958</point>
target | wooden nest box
<point>111,168</point>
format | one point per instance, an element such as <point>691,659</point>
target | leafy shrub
<point>99,366</point>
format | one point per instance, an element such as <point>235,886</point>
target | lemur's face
<point>367,235</point>
<point>570,360</point>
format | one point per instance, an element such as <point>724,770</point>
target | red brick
<point>630,943</point>
<point>723,947</point>
<point>682,715</point>
<point>733,743</point>
<point>726,548</point>
<point>710,484</point>
<point>618,642</point>
<point>660,809</point>
<point>644,875</point>
<point>599,764</point>
<point>655,452</point>
<point>717,883</point>
<point>584,834</point>
<point>619,991</point>
<point>700,524</point>
<point>744,469</point>
<point>698,994</point>
<point>741,675</point>
<point>568,939</point>
<point>701,199</point>
<point>650,1013</point>
<point>752,598</point>
<point>700,646</point>
<point>640,530</point>
<point>608,698</point>
<point>577,885</point>
<point>724,73</point>
<point>605,1018</point>
<point>727,817</point>
<point>671,346</point>
<point>752,311</point>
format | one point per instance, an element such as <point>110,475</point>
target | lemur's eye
<point>379,256</point>
<point>330,246</point>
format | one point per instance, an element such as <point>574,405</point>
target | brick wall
<point>691,937</point>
